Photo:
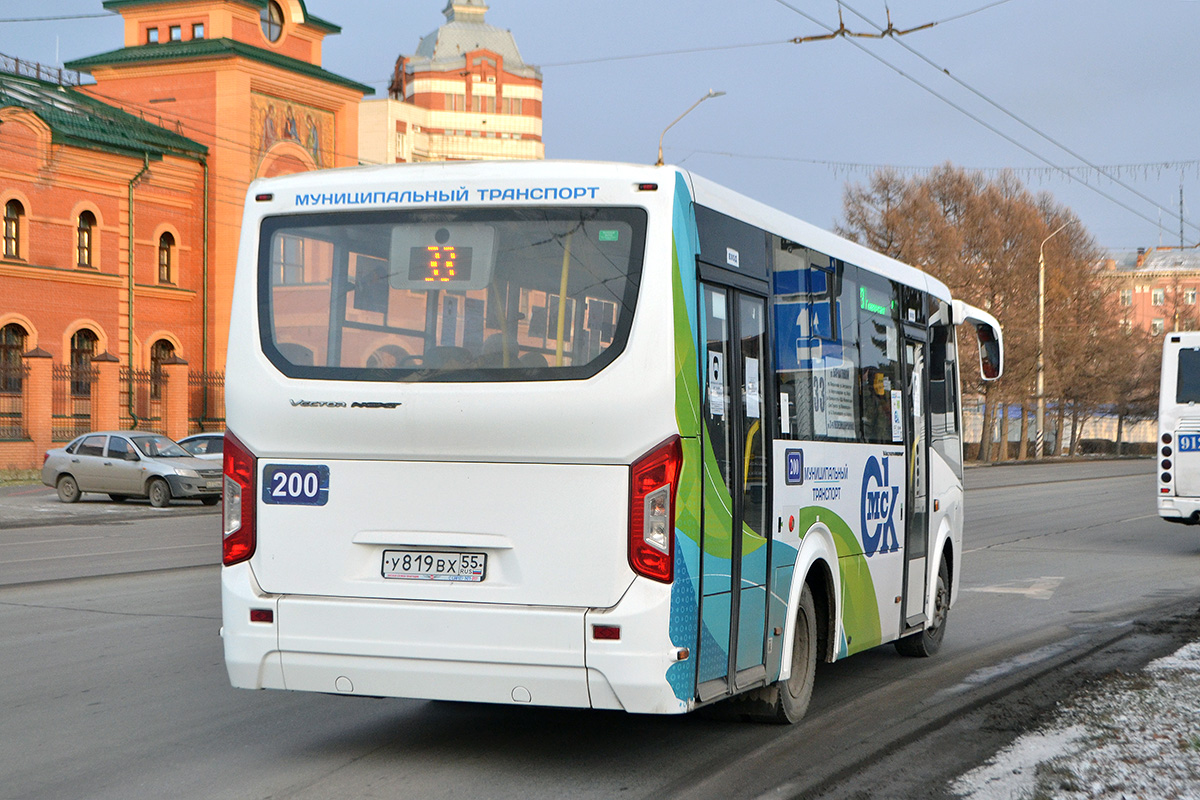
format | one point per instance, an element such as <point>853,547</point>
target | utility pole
<point>711,93</point>
<point>1181,209</point>
<point>1040,440</point>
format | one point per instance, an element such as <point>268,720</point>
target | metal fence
<point>32,69</point>
<point>71,400</point>
<point>1102,432</point>
<point>143,400</point>
<point>13,378</point>
<point>206,401</point>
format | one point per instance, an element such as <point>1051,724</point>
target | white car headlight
<point>186,473</point>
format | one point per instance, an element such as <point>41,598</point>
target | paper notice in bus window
<point>718,305</point>
<point>833,402</point>
<point>753,399</point>
<point>716,384</point>
<point>785,414</point>
<point>897,415</point>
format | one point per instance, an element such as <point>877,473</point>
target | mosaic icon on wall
<point>276,120</point>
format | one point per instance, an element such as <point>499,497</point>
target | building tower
<point>466,94</point>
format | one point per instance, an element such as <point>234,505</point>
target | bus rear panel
<point>437,410</point>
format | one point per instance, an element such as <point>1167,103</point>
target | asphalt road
<point>114,686</point>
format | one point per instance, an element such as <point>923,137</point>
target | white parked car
<point>124,464</point>
<point>208,446</point>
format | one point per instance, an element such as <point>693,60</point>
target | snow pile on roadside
<point>1134,736</point>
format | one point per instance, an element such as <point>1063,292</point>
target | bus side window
<point>791,310</point>
<point>815,302</point>
<point>881,387</point>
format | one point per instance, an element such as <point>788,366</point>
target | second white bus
<point>1178,484</point>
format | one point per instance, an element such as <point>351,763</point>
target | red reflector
<point>612,632</point>
<point>1165,490</point>
<point>264,198</point>
<point>262,615</point>
<point>647,187</point>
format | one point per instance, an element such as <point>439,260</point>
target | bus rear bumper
<point>473,652</point>
<point>1179,509</point>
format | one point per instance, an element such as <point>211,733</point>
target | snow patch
<point>1012,773</point>
<point>1131,736</point>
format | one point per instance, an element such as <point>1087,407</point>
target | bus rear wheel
<point>929,641</point>
<point>785,702</point>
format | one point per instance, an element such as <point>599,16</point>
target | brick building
<point>122,203</point>
<point>466,94</point>
<point>1155,290</point>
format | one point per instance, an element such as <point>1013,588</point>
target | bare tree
<point>982,237</point>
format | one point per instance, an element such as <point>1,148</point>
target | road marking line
<point>108,553</point>
<point>1038,589</point>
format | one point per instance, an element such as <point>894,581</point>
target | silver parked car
<point>126,464</point>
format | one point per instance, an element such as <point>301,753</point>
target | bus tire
<point>927,642</point>
<point>785,702</point>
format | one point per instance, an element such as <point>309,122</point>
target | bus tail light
<point>241,469</point>
<point>653,484</point>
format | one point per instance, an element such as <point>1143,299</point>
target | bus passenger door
<point>733,584</point>
<point>916,445</point>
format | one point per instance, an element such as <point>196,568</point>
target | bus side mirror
<point>990,359</point>
<point>991,338</point>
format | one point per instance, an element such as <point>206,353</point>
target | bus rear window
<point>449,295</point>
<point>1187,389</point>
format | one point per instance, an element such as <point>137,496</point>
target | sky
<point>995,84</point>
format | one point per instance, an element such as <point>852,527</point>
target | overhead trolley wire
<point>976,118</point>
<point>794,40</point>
<point>57,19</point>
<point>1014,117</point>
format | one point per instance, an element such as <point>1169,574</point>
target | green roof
<point>77,119</point>
<point>209,48</point>
<point>316,22</point>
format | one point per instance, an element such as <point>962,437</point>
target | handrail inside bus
<point>562,300</point>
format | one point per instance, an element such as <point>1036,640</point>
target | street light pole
<point>1039,442</point>
<point>711,93</point>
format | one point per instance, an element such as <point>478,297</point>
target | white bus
<point>579,434</point>
<point>1179,428</point>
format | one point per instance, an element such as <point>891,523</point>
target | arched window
<point>166,246</point>
<point>272,21</point>
<point>160,351</point>
<point>83,238</point>
<point>13,211</point>
<point>83,349</point>
<point>12,345</point>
